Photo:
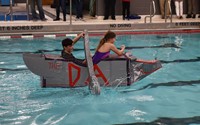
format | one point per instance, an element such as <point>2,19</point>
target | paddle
<point>93,85</point>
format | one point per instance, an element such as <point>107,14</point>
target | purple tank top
<point>98,56</point>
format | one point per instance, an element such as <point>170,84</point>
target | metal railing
<point>27,9</point>
<point>152,6</point>
<point>10,12</point>
<point>70,12</point>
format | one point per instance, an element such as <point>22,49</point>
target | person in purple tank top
<point>106,44</point>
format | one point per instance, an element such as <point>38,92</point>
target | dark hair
<point>67,42</point>
<point>107,36</point>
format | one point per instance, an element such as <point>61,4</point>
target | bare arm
<point>78,37</point>
<point>117,51</point>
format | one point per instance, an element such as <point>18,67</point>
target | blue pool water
<point>170,96</point>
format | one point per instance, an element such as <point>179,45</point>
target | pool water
<point>169,96</point>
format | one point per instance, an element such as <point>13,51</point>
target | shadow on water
<point>18,69</point>
<point>181,60</point>
<point>162,36</point>
<point>155,85</point>
<point>167,45</point>
<point>169,121</point>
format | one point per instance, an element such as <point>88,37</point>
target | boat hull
<point>55,71</point>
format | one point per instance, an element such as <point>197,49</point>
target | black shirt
<point>70,57</point>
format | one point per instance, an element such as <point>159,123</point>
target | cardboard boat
<point>55,71</point>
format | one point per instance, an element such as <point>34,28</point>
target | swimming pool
<point>168,96</point>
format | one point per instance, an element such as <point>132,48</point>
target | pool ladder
<point>10,12</point>
<point>153,6</point>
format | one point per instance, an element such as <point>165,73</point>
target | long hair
<point>107,36</point>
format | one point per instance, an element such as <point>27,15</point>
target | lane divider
<point>30,36</point>
<point>158,32</point>
<point>27,37</point>
<point>50,36</point>
<point>5,37</point>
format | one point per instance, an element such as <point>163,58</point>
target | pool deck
<point>95,25</point>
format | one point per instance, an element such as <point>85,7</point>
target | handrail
<point>10,12</point>
<point>5,16</point>
<point>27,9</point>
<point>170,10</point>
<point>70,12</point>
<point>154,11</point>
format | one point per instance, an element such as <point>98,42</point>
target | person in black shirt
<point>68,48</point>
